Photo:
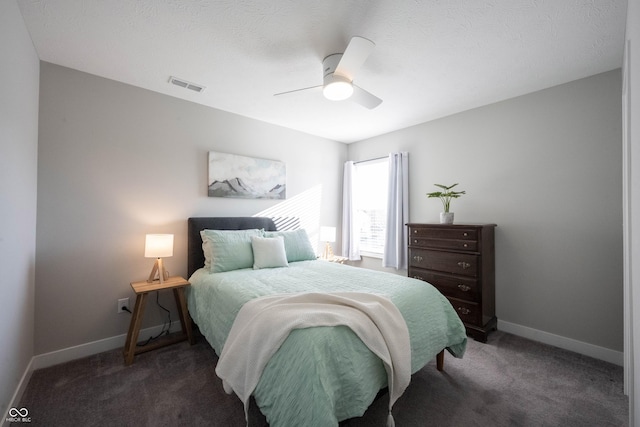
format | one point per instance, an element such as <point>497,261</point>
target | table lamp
<point>328,235</point>
<point>158,246</point>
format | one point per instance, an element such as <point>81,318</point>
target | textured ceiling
<point>432,57</point>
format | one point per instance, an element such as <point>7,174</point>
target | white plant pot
<point>446,217</point>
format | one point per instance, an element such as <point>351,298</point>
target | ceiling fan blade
<point>364,98</point>
<point>354,56</point>
<point>310,89</point>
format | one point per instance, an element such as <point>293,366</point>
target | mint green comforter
<point>323,375</point>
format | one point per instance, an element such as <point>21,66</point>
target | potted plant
<point>445,196</point>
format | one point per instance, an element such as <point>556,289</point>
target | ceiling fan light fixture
<point>340,88</point>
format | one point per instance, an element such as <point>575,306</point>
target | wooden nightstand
<point>142,290</point>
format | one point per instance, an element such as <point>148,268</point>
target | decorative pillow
<point>268,252</point>
<point>226,250</point>
<point>296,244</point>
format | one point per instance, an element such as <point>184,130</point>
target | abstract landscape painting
<point>244,177</point>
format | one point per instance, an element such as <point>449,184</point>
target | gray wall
<point>546,168</point>
<point>117,162</point>
<point>19,70</point>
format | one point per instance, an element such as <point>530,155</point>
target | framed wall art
<point>245,177</point>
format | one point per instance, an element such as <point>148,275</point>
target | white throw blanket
<point>263,324</point>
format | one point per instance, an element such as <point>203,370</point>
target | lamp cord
<point>165,327</point>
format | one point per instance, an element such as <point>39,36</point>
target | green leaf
<point>446,196</point>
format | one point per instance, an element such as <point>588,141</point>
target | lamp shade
<point>327,234</point>
<point>158,245</point>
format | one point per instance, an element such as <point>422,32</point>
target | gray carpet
<point>509,381</point>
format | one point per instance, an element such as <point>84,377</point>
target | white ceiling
<point>432,57</point>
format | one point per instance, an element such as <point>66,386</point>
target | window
<point>370,183</point>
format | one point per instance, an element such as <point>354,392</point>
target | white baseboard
<point>17,395</point>
<point>65,355</point>
<point>597,352</point>
<point>72,353</point>
<point>88,349</point>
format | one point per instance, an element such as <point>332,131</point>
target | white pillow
<point>268,252</point>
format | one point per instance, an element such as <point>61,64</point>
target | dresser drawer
<point>469,312</point>
<point>461,245</point>
<point>447,262</point>
<point>463,288</point>
<point>444,233</point>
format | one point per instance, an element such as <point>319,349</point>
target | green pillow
<point>226,250</point>
<point>296,244</point>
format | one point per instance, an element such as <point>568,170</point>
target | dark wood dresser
<point>459,260</point>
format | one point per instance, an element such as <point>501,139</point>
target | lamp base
<point>159,271</point>
<point>328,251</point>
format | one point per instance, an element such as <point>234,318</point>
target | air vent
<point>185,84</point>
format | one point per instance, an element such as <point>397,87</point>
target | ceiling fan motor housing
<point>330,63</point>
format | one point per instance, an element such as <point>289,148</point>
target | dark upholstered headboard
<point>195,256</point>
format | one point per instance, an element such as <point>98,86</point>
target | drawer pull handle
<point>465,234</point>
<point>464,310</point>
<point>464,265</point>
<point>465,245</point>
<point>415,240</point>
<point>418,277</point>
<point>417,258</point>
<point>464,288</point>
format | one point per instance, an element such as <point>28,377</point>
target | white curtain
<point>350,233</point>
<point>395,243</point>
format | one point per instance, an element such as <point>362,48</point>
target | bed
<point>322,375</point>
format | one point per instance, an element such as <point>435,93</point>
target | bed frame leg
<point>440,361</point>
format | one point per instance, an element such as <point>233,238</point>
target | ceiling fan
<point>338,71</point>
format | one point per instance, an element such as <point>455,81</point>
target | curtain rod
<point>371,160</point>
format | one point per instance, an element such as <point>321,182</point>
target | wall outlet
<point>122,304</point>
